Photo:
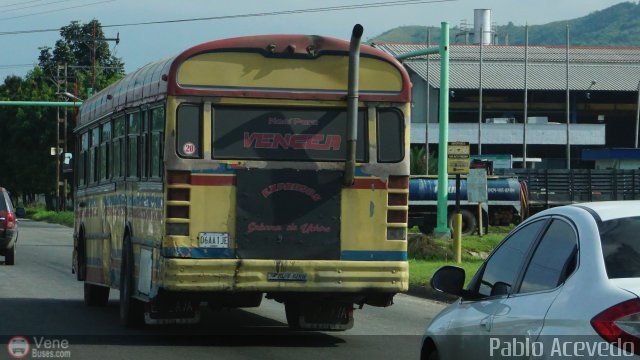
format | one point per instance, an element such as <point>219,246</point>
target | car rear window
<point>621,247</point>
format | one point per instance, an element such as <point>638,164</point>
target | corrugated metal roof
<point>612,69</point>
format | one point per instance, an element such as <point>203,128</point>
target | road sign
<point>477,186</point>
<point>458,157</point>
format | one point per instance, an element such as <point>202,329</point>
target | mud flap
<point>172,312</point>
<point>288,214</point>
<point>320,316</point>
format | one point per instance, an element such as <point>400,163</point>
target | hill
<point>618,25</point>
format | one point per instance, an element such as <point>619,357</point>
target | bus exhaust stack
<point>352,103</point>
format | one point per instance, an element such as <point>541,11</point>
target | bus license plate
<point>214,240</point>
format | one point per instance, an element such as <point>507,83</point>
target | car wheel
<point>95,295</point>
<point>131,309</point>
<point>10,255</point>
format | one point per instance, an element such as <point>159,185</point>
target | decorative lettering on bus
<point>321,142</point>
<point>292,121</point>
<point>314,228</point>
<point>305,228</point>
<point>253,227</point>
<point>301,188</point>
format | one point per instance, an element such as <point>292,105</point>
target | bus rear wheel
<point>292,310</point>
<point>131,309</point>
<point>95,295</point>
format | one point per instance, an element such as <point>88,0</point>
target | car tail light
<point>620,324</point>
<point>7,220</point>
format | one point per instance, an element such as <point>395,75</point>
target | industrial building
<point>588,94</point>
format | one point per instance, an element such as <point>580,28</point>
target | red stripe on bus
<point>226,180</point>
<point>369,184</point>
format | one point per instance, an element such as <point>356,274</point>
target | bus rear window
<point>287,134</point>
<point>189,132</point>
<point>390,136</point>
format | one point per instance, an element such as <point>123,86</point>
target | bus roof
<point>236,68</point>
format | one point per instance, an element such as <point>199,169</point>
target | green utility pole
<point>442,228</point>
<point>41,103</point>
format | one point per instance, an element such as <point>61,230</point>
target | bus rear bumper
<point>220,275</point>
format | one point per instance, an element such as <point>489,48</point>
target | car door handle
<point>486,323</point>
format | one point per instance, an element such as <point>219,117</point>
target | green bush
<point>61,217</point>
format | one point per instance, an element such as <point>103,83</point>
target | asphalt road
<point>41,300</point>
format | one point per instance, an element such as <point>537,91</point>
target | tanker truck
<point>507,203</point>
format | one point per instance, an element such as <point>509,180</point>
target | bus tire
<point>293,311</point>
<point>95,295</point>
<point>81,271</point>
<point>469,222</point>
<point>10,255</point>
<point>131,309</point>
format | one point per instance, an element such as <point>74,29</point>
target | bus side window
<point>105,168</point>
<point>390,136</point>
<point>82,162</point>
<point>189,126</point>
<point>156,144</point>
<point>133,134</point>
<point>118,147</point>
<point>93,155</point>
<point>144,145</point>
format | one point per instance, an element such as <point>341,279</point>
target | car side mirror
<point>500,288</point>
<point>449,279</point>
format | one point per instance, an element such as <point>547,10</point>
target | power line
<point>20,3</point>
<point>36,5</point>
<point>55,10</point>
<point>236,16</point>
<point>289,12</point>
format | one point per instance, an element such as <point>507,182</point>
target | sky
<point>140,45</point>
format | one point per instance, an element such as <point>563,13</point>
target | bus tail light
<point>620,324</point>
<point>398,182</point>
<point>397,233</point>
<point>179,229</point>
<point>398,199</point>
<point>398,207</point>
<point>396,216</point>
<point>178,194</point>
<point>7,220</point>
<point>179,177</point>
<point>178,212</point>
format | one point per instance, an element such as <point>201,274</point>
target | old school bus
<point>235,170</point>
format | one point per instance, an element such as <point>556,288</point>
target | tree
<point>76,48</point>
<point>28,133</point>
<point>418,161</point>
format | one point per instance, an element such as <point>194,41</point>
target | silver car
<point>563,284</point>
